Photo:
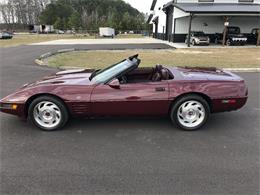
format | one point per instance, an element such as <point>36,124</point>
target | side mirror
<point>114,84</point>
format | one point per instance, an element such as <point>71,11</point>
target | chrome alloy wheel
<point>191,114</point>
<point>47,114</point>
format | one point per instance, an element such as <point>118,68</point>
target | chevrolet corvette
<point>188,95</point>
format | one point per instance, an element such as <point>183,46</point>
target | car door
<point>148,98</point>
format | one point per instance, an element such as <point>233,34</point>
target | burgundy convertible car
<point>188,95</point>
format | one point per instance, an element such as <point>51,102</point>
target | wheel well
<point>204,96</point>
<point>30,100</point>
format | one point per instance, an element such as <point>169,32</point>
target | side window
<point>144,75</point>
<point>245,1</point>
<point>206,1</point>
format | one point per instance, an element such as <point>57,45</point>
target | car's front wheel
<point>228,42</point>
<point>190,112</point>
<point>48,113</point>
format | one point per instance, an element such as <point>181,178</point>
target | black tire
<point>180,101</point>
<point>228,43</point>
<point>193,42</point>
<point>63,110</point>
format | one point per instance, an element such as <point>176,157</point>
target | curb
<point>48,54</point>
<point>40,60</point>
<point>65,50</point>
<point>242,69</point>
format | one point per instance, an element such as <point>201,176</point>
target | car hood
<point>68,77</point>
<point>201,73</point>
<point>238,35</point>
<point>202,37</point>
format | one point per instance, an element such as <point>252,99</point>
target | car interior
<point>146,74</point>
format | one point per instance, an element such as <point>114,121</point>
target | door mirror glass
<point>114,84</point>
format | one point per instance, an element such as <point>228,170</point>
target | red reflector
<point>232,101</point>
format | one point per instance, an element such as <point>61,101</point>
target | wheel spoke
<point>191,113</point>
<point>47,114</point>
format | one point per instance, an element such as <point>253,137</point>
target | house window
<point>245,1</point>
<point>206,1</point>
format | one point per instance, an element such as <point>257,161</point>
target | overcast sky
<point>142,5</point>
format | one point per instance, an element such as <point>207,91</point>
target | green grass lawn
<point>24,39</point>
<point>220,57</point>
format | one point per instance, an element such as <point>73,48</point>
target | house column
<point>156,22</point>
<point>169,22</point>
<point>189,33</point>
<point>226,23</point>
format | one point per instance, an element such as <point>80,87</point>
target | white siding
<point>161,14</point>
<point>213,24</point>
<point>209,24</point>
<point>177,13</point>
<point>162,21</point>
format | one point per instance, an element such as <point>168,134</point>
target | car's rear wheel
<point>190,112</point>
<point>48,113</point>
<point>193,42</point>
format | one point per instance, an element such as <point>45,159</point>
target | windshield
<point>106,74</point>
<point>233,30</point>
<point>199,34</point>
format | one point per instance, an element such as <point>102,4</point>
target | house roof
<point>229,8</point>
<point>168,5</point>
<point>155,19</point>
<point>153,5</point>
<point>149,18</point>
<point>152,9</point>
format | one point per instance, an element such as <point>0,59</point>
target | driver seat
<point>165,74</point>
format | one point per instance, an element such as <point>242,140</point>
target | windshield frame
<point>133,64</point>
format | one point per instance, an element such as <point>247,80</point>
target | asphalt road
<point>126,156</point>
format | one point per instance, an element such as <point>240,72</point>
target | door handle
<point>160,89</point>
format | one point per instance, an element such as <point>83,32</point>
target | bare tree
<point>22,11</point>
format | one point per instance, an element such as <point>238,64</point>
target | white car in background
<point>198,38</point>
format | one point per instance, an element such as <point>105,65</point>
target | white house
<point>173,20</point>
<point>158,18</point>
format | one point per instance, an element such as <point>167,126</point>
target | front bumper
<point>239,41</point>
<point>202,42</point>
<point>12,108</point>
